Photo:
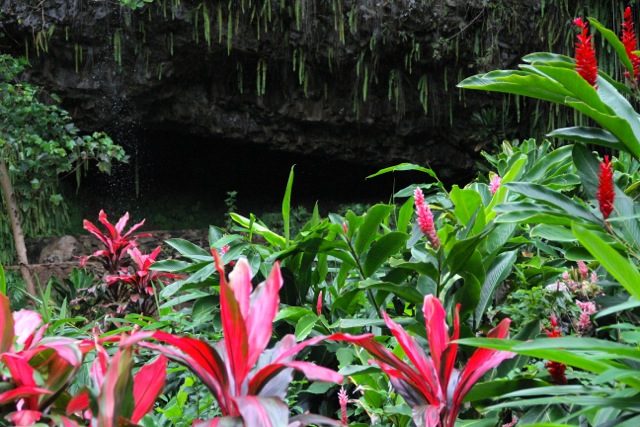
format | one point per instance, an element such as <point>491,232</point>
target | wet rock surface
<point>120,70</point>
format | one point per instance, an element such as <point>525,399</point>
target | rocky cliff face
<point>369,81</point>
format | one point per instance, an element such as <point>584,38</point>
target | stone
<point>63,249</point>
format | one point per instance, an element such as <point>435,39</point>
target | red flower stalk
<point>556,369</point>
<point>605,193</point>
<point>425,219</point>
<point>630,41</point>
<point>586,63</point>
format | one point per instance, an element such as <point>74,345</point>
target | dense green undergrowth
<point>512,300</point>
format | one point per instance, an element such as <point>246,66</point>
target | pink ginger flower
<point>495,184</point>
<point>586,310</point>
<point>583,270</point>
<point>343,399</point>
<point>319,304</point>
<point>425,219</point>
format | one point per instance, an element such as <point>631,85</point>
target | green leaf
<point>615,42</point>
<point>286,207</point>
<point>462,251</point>
<point>588,135</point>
<point>305,326</point>
<point>405,214</point>
<point>271,237</point>
<point>588,168</point>
<point>554,233</point>
<point>386,246</point>
<point>467,203</point>
<point>405,167</point>
<point>406,292</point>
<point>3,281</point>
<point>170,265</point>
<point>547,196</point>
<point>518,83</point>
<point>496,274</point>
<point>618,266</point>
<point>188,249</point>
<point>368,231</point>
<point>549,58</point>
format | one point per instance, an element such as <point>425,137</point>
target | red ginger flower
<point>630,42</point>
<point>343,399</point>
<point>425,219</point>
<point>605,193</point>
<point>586,63</point>
<point>556,369</point>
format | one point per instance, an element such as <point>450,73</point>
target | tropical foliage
<point>348,317</point>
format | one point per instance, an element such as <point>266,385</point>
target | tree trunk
<point>16,227</point>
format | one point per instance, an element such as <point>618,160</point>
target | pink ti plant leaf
<point>432,386</point>
<point>248,382</point>
<point>143,279</point>
<point>116,243</point>
<point>122,399</point>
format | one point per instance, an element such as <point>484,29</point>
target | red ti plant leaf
<point>25,417</point>
<point>147,385</point>
<point>143,279</point>
<point>432,386</point>
<point>249,383</point>
<point>26,322</point>
<point>116,243</point>
<point>117,388</point>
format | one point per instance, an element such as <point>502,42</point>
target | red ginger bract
<point>630,41</point>
<point>606,193</point>
<point>586,63</point>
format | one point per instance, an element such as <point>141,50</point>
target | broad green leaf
<point>518,83</point>
<point>588,135</point>
<point>405,214</point>
<point>628,305</point>
<point>624,123</point>
<point>534,217</point>
<point>286,207</point>
<point>547,196</point>
<point>406,292</point>
<point>572,81</point>
<point>618,266</point>
<point>305,325</point>
<point>188,249</point>
<point>467,203</point>
<point>496,274</point>
<point>550,58</point>
<point>462,251</point>
<point>555,233</point>
<point>368,231</point>
<point>170,265</point>
<point>545,164</point>
<point>292,313</point>
<point>588,168</point>
<point>498,237</point>
<point>614,41</point>
<point>385,247</point>
<point>627,224</point>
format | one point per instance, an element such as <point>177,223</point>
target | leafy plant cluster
<point>261,327</point>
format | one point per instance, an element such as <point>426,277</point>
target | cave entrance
<point>176,180</point>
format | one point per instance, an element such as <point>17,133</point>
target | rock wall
<point>369,81</point>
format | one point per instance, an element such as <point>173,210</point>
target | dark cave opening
<point>181,181</point>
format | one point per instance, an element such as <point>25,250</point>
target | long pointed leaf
<point>622,269</point>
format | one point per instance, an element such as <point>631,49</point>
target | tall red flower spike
<point>605,193</point>
<point>556,369</point>
<point>630,41</point>
<point>586,63</point>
